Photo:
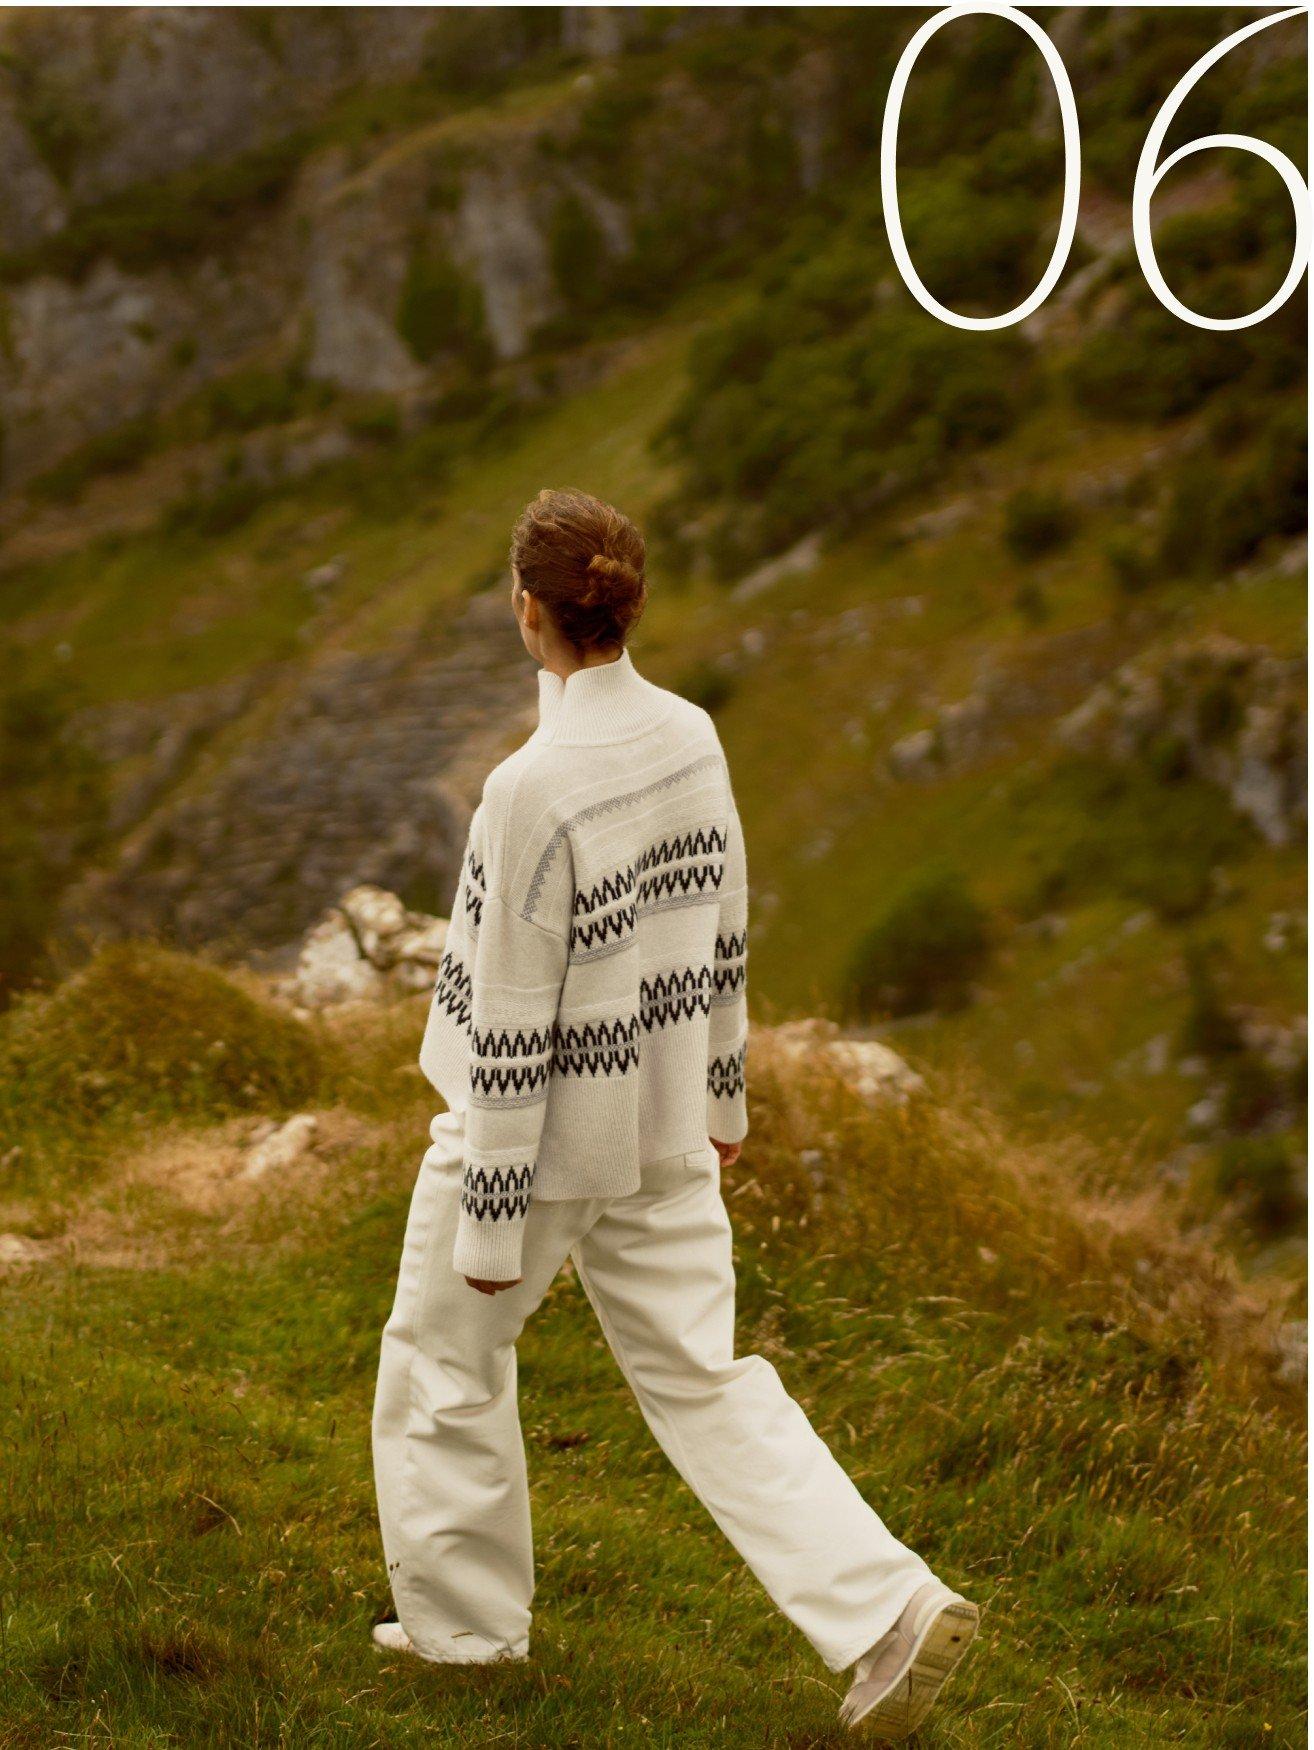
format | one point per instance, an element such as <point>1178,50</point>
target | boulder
<point>283,1146</point>
<point>871,1070</point>
<point>366,948</point>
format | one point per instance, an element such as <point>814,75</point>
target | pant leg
<point>657,1268</point>
<point>449,1462</point>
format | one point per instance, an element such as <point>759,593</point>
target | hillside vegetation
<point>1004,634</point>
<point>1073,1412</point>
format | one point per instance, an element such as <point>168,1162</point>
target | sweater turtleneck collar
<point>609,702</point>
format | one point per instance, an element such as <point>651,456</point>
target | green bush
<point>924,952</point>
<point>376,422</point>
<point>168,221</point>
<point>1144,831</point>
<point>144,1032</point>
<point>441,311</point>
<point>578,252</point>
<point>1037,522</point>
<point>55,793</point>
<point>1209,1028</point>
<point>707,685</point>
<point>251,399</point>
<point>1152,366</point>
<point>1130,566</point>
<point>1259,1174</point>
<point>817,404</point>
<point>118,451</point>
<point>218,511</point>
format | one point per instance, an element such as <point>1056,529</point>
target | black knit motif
<point>725,1075</point>
<point>693,884</point>
<point>598,1048</point>
<point>510,1067</point>
<point>498,1042</point>
<point>699,877</point>
<point>730,975</point>
<point>514,1083</point>
<point>596,810</point>
<point>473,888</point>
<point>612,926</point>
<point>678,996</point>
<point>454,990</point>
<point>497,1193</point>
<point>709,845</point>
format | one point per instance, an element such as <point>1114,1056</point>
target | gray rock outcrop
<point>1234,713</point>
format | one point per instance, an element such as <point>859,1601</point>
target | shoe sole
<point>937,1658</point>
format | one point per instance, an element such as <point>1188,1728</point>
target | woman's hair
<point>583,560</point>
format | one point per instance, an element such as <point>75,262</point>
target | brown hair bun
<point>584,562</point>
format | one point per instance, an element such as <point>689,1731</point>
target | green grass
<point>1067,1414</point>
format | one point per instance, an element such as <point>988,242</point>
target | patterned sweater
<point>590,1013</point>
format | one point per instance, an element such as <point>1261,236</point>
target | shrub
<point>1151,366</point>
<point>441,311</point>
<point>1130,566</point>
<point>142,1031</point>
<point>1259,1174</point>
<point>1037,522</point>
<point>55,794</point>
<point>375,422</point>
<point>1030,602</point>
<point>815,406</point>
<point>1210,1029</point>
<point>1144,830</point>
<point>259,397</point>
<point>110,452</point>
<point>230,504</point>
<point>167,221</point>
<point>578,252</point>
<point>708,686</point>
<point>924,952</point>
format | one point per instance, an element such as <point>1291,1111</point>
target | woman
<point>587,1033</point>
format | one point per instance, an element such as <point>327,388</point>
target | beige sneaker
<point>392,1637</point>
<point>897,1683</point>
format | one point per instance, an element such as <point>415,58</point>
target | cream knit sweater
<point>590,1012</point>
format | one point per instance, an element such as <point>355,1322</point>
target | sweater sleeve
<point>515,989</point>
<point>727,1110</point>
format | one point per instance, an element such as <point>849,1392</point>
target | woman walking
<point>587,1032</point>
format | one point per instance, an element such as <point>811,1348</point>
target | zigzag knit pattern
<point>454,991</point>
<point>474,888</point>
<point>679,996</point>
<point>509,1068</point>
<point>730,971</point>
<point>497,1193</point>
<point>599,1048</point>
<point>703,843</point>
<point>725,1075</point>
<point>695,885</point>
<point>608,805</point>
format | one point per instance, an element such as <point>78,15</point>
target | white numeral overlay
<point>1149,174</point>
<point>1071,169</point>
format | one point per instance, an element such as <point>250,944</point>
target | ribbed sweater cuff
<point>727,1119</point>
<point>490,1251</point>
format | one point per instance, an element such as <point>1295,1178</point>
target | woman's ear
<point>529,611</point>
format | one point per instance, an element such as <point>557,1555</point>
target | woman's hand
<point>728,1151</point>
<point>492,1287</point>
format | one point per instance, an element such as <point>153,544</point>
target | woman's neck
<point>567,662</point>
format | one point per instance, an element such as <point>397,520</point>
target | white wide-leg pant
<point>448,1458</point>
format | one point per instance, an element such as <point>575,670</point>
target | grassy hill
<point>1072,1411</point>
<point>1102,881</point>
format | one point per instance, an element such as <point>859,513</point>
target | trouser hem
<point>880,1625</point>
